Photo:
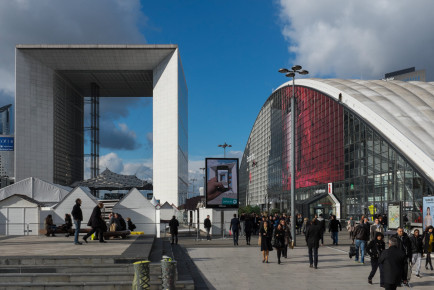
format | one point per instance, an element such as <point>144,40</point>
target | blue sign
<point>6,143</point>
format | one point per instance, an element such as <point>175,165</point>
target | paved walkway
<point>224,266</point>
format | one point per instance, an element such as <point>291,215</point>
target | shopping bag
<point>352,251</point>
<point>230,233</point>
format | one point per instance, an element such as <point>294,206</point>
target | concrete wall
<point>33,119</point>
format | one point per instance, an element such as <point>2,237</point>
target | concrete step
<point>65,260</point>
<point>64,277</point>
<point>119,268</point>
<point>121,285</point>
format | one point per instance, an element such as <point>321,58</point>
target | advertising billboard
<point>394,215</point>
<point>6,143</point>
<point>428,207</point>
<point>221,186</point>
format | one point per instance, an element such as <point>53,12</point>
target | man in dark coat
<point>77,216</point>
<point>173,225</point>
<point>334,227</point>
<point>248,229</point>
<point>313,235</point>
<point>404,244</point>
<point>235,227</point>
<point>393,261</point>
<point>207,225</point>
<point>97,223</point>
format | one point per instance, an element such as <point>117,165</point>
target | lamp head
<point>304,72</point>
<point>283,70</point>
<point>296,67</point>
<point>290,74</point>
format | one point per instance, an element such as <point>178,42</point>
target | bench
<point>122,234</point>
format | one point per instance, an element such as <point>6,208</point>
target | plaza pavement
<point>224,266</point>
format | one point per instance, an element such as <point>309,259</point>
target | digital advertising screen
<point>428,207</point>
<point>394,215</point>
<point>221,186</point>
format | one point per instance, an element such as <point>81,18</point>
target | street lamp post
<point>296,69</point>
<point>224,148</point>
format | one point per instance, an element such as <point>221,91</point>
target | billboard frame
<point>222,206</point>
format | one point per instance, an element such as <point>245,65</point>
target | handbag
<point>291,244</point>
<point>277,244</point>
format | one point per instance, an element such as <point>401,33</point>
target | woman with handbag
<point>265,234</point>
<point>279,240</point>
<point>288,238</point>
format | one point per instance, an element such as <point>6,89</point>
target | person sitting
<point>49,226</point>
<point>67,226</point>
<point>131,226</point>
<point>122,222</point>
<point>114,224</point>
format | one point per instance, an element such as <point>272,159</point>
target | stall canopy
<point>109,180</point>
<point>36,189</point>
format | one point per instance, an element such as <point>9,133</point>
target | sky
<point>230,51</point>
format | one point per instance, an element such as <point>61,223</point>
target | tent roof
<point>37,189</point>
<point>84,189</point>
<point>109,180</point>
<point>25,197</point>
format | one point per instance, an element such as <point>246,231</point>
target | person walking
<point>417,251</point>
<point>235,227</point>
<point>393,261</point>
<point>248,229</point>
<point>361,234</point>
<point>404,244</point>
<point>279,240</point>
<point>351,225</point>
<point>242,223</point>
<point>313,235</point>
<point>428,246</point>
<point>322,223</point>
<point>173,226</point>
<point>374,250</point>
<point>77,216</point>
<point>265,234</point>
<point>288,237</point>
<point>334,227</point>
<point>299,223</point>
<point>207,225</point>
<point>97,223</point>
<point>376,228</point>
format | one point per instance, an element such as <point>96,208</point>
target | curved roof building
<point>371,140</point>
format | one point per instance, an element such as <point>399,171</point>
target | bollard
<point>168,273</point>
<point>141,275</point>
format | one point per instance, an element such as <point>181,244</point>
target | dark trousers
<point>322,238</point>
<point>374,266</point>
<point>285,251</point>
<point>279,253</point>
<point>235,236</point>
<point>98,232</point>
<point>390,286</point>
<point>248,236</point>
<point>313,256</point>
<point>208,237</point>
<point>428,260</point>
<point>174,238</point>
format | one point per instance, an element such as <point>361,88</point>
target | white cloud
<point>63,22</point>
<point>359,39</point>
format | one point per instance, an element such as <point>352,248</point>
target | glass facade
<point>332,145</point>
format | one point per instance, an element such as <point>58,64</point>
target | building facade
<point>51,83</point>
<point>359,145</point>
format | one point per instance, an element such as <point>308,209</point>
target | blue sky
<point>231,51</point>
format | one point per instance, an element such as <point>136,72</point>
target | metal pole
<point>293,162</point>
